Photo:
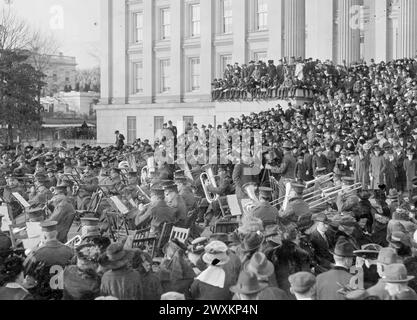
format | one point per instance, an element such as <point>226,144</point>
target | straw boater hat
<point>216,254</point>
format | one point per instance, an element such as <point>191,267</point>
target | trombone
<point>323,179</point>
<point>326,195</point>
<point>208,178</point>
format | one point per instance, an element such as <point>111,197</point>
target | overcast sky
<point>78,33</point>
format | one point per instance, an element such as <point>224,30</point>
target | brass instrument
<point>208,178</point>
<point>327,178</point>
<point>329,194</point>
<point>144,193</point>
<point>74,242</point>
<point>144,174</point>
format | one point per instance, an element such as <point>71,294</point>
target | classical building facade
<point>159,57</point>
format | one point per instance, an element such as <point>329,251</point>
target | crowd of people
<point>331,214</point>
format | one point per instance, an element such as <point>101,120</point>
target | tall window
<point>165,75</point>
<point>138,81</point>
<point>260,56</point>
<point>227,18</point>
<point>138,27</point>
<point>67,76</point>
<point>165,24</point>
<point>195,20</point>
<point>261,15</point>
<point>131,129</point>
<point>224,61</point>
<point>195,74</point>
<point>158,124</point>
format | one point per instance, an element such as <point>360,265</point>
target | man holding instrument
<point>13,186</point>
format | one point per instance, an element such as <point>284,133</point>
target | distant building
<point>60,72</point>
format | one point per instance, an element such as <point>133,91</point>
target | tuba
<point>208,178</point>
<point>74,242</point>
<point>250,190</point>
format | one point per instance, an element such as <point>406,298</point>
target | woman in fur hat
<point>81,281</point>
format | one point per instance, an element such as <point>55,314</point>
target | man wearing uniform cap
<point>158,212</point>
<point>296,207</point>
<point>287,168</point>
<point>52,253</point>
<point>13,186</point>
<point>263,210</point>
<point>185,191</point>
<point>176,202</point>
<point>63,213</point>
<point>40,194</point>
<point>89,185</point>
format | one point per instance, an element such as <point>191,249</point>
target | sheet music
<point>21,200</point>
<point>234,205</point>
<point>120,206</point>
<point>6,219</point>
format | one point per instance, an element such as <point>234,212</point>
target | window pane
<point>227,16</point>
<point>166,24</point>
<point>165,76</point>
<point>262,14</point>
<point>131,129</point>
<point>158,124</point>
<point>195,74</point>
<point>138,88</point>
<point>139,27</point>
<point>195,20</point>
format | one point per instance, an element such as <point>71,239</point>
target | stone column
<point>239,31</point>
<point>381,31</point>
<point>294,28</point>
<point>106,51</point>
<point>206,55</point>
<point>148,53</point>
<point>348,42</point>
<point>407,46</point>
<point>177,70</point>
<point>275,29</point>
<point>120,87</point>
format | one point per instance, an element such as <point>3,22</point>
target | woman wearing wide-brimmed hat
<point>81,281</point>
<point>121,281</point>
<point>214,282</point>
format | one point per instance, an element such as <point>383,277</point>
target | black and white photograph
<point>223,152</point>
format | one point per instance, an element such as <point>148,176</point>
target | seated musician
<point>5,242</point>
<point>186,192</point>
<point>105,171</point>
<point>176,202</point>
<point>223,189</point>
<point>53,181</point>
<point>296,207</point>
<point>89,185</point>
<point>263,210</point>
<point>90,234</point>
<point>40,194</point>
<point>347,199</point>
<point>157,212</point>
<point>13,186</point>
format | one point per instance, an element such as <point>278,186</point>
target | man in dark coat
<point>328,283</point>
<point>321,241</point>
